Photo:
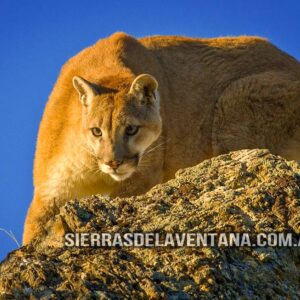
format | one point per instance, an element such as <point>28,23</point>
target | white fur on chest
<point>70,177</point>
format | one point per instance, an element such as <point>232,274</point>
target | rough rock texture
<point>244,191</point>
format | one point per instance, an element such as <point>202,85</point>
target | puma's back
<point>225,94</point>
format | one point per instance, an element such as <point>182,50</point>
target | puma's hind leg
<point>259,111</point>
<point>291,150</point>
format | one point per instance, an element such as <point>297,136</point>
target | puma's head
<point>120,125</point>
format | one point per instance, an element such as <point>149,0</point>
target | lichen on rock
<point>244,191</point>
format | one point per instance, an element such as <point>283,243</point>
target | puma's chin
<point>120,177</point>
<point>117,175</point>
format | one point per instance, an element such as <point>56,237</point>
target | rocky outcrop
<point>244,191</point>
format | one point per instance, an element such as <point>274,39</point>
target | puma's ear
<point>85,90</point>
<point>145,87</point>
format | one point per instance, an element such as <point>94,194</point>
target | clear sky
<point>37,37</point>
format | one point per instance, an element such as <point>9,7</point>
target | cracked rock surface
<point>249,191</point>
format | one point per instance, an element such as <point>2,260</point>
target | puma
<point>126,114</point>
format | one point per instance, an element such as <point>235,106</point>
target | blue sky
<point>37,37</point>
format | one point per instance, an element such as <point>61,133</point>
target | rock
<point>247,191</point>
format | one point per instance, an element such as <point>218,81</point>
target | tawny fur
<point>216,95</point>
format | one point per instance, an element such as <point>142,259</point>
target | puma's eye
<point>132,130</point>
<point>96,131</point>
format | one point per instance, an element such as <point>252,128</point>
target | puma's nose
<point>114,164</point>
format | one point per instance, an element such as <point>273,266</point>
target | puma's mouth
<point>118,175</point>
